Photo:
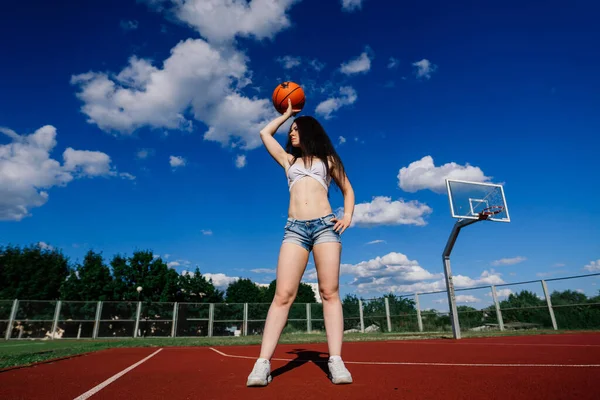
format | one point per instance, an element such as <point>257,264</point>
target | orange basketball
<point>285,91</point>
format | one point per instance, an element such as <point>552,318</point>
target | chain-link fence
<point>560,303</point>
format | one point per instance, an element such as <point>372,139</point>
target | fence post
<point>137,319</point>
<point>308,322</point>
<point>97,320</point>
<point>549,302</point>
<point>11,319</point>
<point>360,313</point>
<point>387,313</point>
<point>211,317</point>
<point>498,311</point>
<point>245,323</point>
<point>419,319</point>
<point>174,325</point>
<point>55,319</point>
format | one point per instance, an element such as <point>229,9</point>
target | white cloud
<point>593,266</point>
<point>501,293</point>
<point>508,261</point>
<point>45,246</point>
<point>383,211</point>
<point>177,263</point>
<point>199,81</point>
<point>360,64</point>
<point>289,62</point>
<point>424,68</point>
<point>341,140</point>
<point>393,63</point>
<point>504,292</point>
<point>207,232</point>
<point>27,171</point>
<point>195,76</point>
<point>467,298</point>
<point>87,163</point>
<point>394,272</point>
<point>423,174</point>
<point>127,175</point>
<point>351,5</point>
<point>221,21</point>
<point>377,241</point>
<point>240,117</point>
<point>240,161</point>
<point>316,64</point>
<point>221,280</point>
<point>392,264</point>
<point>486,278</point>
<point>347,97</point>
<point>144,153</point>
<point>177,161</point>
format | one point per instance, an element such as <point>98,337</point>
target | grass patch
<point>24,352</point>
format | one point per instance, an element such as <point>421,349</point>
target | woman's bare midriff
<point>308,200</point>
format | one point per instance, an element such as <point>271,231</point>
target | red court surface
<point>522,367</point>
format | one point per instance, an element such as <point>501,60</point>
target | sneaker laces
<point>337,366</point>
<point>261,368</point>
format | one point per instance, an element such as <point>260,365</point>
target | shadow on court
<point>302,357</point>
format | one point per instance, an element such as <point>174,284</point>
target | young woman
<point>311,163</point>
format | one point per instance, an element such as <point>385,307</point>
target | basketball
<point>285,91</point>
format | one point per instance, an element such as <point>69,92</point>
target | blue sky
<point>134,125</point>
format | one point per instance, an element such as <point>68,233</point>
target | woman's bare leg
<point>327,262</point>
<point>290,268</point>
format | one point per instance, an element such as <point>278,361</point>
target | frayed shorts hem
<point>308,233</point>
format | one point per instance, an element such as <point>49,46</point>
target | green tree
<point>469,317</point>
<point>159,282</point>
<point>402,313</point>
<point>351,312</point>
<point>305,293</point>
<point>123,283</point>
<point>32,272</point>
<point>525,307</point>
<point>91,281</point>
<point>567,297</point>
<point>70,288</point>
<point>243,291</point>
<point>573,310</point>
<point>195,288</point>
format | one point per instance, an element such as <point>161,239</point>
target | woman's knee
<point>329,292</point>
<point>284,298</point>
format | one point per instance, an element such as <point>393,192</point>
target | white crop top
<point>317,171</point>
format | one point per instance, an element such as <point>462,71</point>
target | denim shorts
<point>308,232</point>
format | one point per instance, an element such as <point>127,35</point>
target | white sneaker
<point>338,372</point>
<point>261,373</point>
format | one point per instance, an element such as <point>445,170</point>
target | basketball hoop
<point>470,202</point>
<point>487,212</point>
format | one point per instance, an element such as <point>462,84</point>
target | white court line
<point>424,363</point>
<point>496,344</point>
<point>113,378</point>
